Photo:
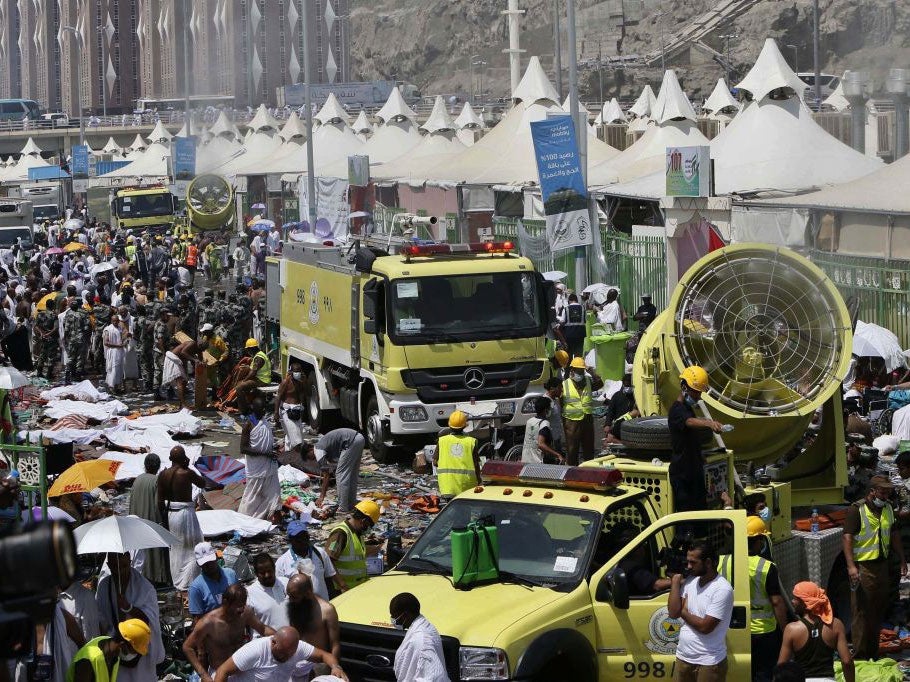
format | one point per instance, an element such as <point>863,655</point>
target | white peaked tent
<point>138,144</point>
<point>263,120</point>
<point>159,133</point>
<point>187,130</point>
<point>151,165</point>
<point>30,157</point>
<point>293,129</point>
<point>587,114</point>
<point>396,134</point>
<point>333,141</point>
<point>332,109</point>
<point>224,127</point>
<point>641,110</point>
<point>720,103</point>
<point>469,125</point>
<point>260,145</point>
<point>611,112</point>
<point>675,126</point>
<point>440,143</point>
<point>293,134</point>
<point>112,148</point>
<point>505,155</point>
<point>774,144</point>
<point>362,127</point>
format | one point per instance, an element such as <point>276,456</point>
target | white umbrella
<point>73,224</point>
<point>554,275</point>
<point>11,378</point>
<point>53,514</point>
<point>121,534</point>
<point>103,266</point>
<point>872,341</point>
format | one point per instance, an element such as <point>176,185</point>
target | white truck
<point>16,222</point>
<point>48,201</point>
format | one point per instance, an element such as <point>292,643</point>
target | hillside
<point>430,42</point>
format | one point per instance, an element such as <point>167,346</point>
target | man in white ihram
<point>419,657</point>
<point>704,603</point>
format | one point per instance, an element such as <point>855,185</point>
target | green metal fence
<point>878,288</point>
<point>637,265</point>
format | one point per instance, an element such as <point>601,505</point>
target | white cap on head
<point>204,553</point>
<point>207,327</point>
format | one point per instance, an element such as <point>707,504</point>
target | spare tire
<point>653,433</point>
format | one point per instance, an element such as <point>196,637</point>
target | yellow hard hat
<point>137,633</point>
<point>562,358</point>
<point>755,526</point>
<point>578,363</point>
<point>251,343</point>
<point>458,420</point>
<point>696,378</point>
<point>368,508</point>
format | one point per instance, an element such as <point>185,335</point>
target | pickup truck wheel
<point>559,670</point>
<point>372,427</point>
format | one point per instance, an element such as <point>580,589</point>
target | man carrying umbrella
<point>124,595</point>
<point>176,506</point>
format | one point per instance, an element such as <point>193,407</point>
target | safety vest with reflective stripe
<point>264,374</point>
<point>455,468</point>
<point>130,251</point>
<point>763,620</point>
<point>577,404</point>
<point>352,562</point>
<point>92,653</point>
<point>874,533</point>
<point>192,254</point>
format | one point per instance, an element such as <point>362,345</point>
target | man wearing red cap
<point>812,640</point>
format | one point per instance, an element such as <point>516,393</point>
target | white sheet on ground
<point>102,411</point>
<point>288,474</point>
<point>173,422</point>
<point>224,521</point>
<point>84,390</point>
<point>156,439</point>
<point>132,464</point>
<point>900,424</point>
<point>80,436</point>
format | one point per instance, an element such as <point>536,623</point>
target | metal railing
<point>878,289</point>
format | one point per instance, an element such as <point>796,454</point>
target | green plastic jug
<point>475,554</point>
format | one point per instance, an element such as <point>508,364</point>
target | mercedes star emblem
<point>474,378</point>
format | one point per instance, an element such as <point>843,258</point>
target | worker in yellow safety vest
<point>868,539</point>
<point>99,660</point>
<point>457,464</point>
<point>768,609</point>
<point>258,375</point>
<point>578,410</point>
<point>345,544</point>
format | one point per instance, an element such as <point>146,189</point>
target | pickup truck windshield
<point>144,206</point>
<point>10,235</point>
<point>49,212</point>
<point>546,545</point>
<point>465,308</point>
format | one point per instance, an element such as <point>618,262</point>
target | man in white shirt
<point>538,442</point>
<point>279,657</point>
<point>420,657</point>
<point>704,603</point>
<point>267,594</point>
<point>301,550</point>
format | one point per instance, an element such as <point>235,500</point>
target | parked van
<point>19,109</point>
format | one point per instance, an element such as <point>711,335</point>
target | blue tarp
<point>47,173</point>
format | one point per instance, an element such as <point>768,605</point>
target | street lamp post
<point>186,71</point>
<point>308,103</point>
<point>795,49</point>
<point>78,38</point>
<point>474,57</point>
<point>727,37</point>
<point>557,48</point>
<point>581,134</point>
<point>818,76</point>
<point>481,63</point>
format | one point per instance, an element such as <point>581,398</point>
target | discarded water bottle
<point>726,428</point>
<point>813,526</point>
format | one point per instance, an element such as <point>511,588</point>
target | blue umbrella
<point>263,226</point>
<point>290,226</point>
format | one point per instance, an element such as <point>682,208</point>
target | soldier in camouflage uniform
<point>208,314</point>
<point>75,331</point>
<point>102,314</point>
<point>161,344</point>
<point>232,319</point>
<point>144,332</point>
<point>188,320</point>
<point>246,305</point>
<point>48,343</point>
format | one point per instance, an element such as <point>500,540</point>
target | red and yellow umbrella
<point>84,477</point>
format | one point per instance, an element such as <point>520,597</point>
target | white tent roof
<point>152,164</point>
<point>581,106</point>
<point>439,118</point>
<point>770,72</point>
<point>836,99</point>
<point>776,144</point>
<point>333,143</point>
<point>333,110</point>
<point>535,85</point>
<point>112,147</point>
<point>263,120</point>
<point>216,152</point>
<point>30,149</point>
<point>138,143</point>
<point>293,128</point>
<point>259,151</point>
<point>224,127</point>
<point>468,118</point>
<point>30,158</point>
<point>362,124</point>
<point>390,140</point>
<point>611,112</point>
<point>187,130</point>
<point>720,98</point>
<point>433,150</point>
<point>882,191</point>
<point>159,133</point>
<point>672,103</point>
<point>644,105</point>
<point>395,106</point>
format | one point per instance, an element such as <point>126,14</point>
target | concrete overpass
<point>53,141</point>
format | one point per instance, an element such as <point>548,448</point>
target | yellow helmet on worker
<point>561,357</point>
<point>251,343</point>
<point>369,509</point>
<point>458,420</point>
<point>695,377</point>
<point>578,363</point>
<point>137,633</point>
<point>755,527</point>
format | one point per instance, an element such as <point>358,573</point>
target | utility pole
<point>727,37</point>
<point>186,70</point>
<point>308,104</point>
<point>473,58</point>
<point>818,75</point>
<point>514,50</point>
<point>581,135</point>
<point>557,48</point>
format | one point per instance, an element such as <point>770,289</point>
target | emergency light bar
<point>589,478</point>
<point>455,249</point>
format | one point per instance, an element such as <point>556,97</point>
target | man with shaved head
<point>313,617</point>
<point>221,632</point>
<point>178,511</point>
<point>275,658</point>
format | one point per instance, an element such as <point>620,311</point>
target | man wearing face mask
<point>420,655</point>
<point>289,405</point>
<point>578,410</point>
<point>687,464</point>
<point>868,540</point>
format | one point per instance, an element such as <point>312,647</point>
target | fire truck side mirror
<point>549,293</point>
<point>369,326</point>
<point>614,587</point>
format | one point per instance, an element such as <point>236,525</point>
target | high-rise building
<point>39,65</point>
<point>10,73</point>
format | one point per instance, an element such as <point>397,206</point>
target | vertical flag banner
<point>79,167</point>
<point>184,163</point>
<point>562,185</point>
